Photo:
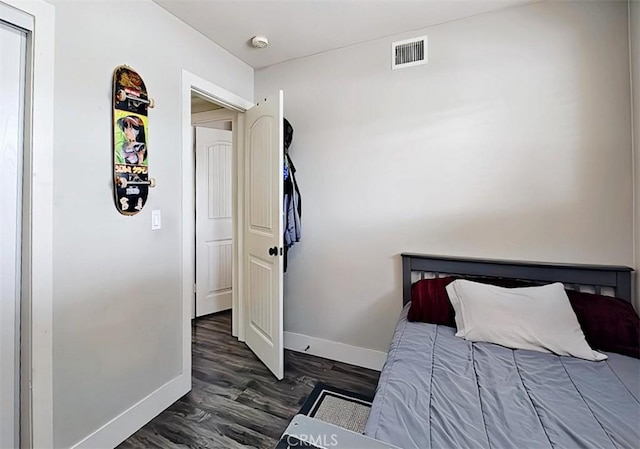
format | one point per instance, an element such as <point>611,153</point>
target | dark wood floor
<point>235,401</point>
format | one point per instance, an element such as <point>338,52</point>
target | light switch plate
<point>156,220</point>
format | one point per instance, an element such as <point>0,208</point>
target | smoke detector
<point>259,41</point>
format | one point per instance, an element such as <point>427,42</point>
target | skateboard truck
<point>122,95</point>
<point>122,182</point>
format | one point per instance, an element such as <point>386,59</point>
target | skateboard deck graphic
<point>131,102</point>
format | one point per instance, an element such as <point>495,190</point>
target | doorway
<point>257,202</point>
<point>13,91</point>
<point>215,206</point>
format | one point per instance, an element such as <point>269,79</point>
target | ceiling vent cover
<point>409,53</point>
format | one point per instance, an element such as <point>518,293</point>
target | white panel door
<point>262,252</point>
<point>214,260</point>
<point>12,78</point>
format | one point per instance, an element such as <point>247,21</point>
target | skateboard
<point>131,102</point>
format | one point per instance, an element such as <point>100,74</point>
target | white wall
<point>634,54</point>
<point>117,298</point>
<point>513,142</point>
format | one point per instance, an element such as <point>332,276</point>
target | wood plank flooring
<point>235,401</point>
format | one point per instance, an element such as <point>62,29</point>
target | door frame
<point>17,23</point>
<point>226,115</point>
<point>229,100</point>
<point>36,383</point>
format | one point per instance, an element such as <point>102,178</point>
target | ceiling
<point>298,28</point>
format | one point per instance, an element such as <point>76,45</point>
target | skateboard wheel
<point>152,182</point>
<point>122,95</point>
<point>152,103</point>
<point>122,182</point>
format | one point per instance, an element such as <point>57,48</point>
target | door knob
<point>273,251</point>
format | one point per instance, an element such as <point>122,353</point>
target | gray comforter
<point>440,391</point>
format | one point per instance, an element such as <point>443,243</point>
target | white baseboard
<point>214,305</point>
<point>354,355</point>
<point>128,422</point>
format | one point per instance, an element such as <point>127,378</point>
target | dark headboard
<point>617,278</point>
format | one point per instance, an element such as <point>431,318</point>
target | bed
<point>440,391</point>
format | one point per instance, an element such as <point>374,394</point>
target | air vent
<point>409,53</point>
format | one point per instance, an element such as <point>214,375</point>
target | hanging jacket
<point>292,212</point>
<point>292,205</point>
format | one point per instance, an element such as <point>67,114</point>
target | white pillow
<point>535,318</point>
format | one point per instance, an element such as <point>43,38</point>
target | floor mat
<point>339,407</point>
